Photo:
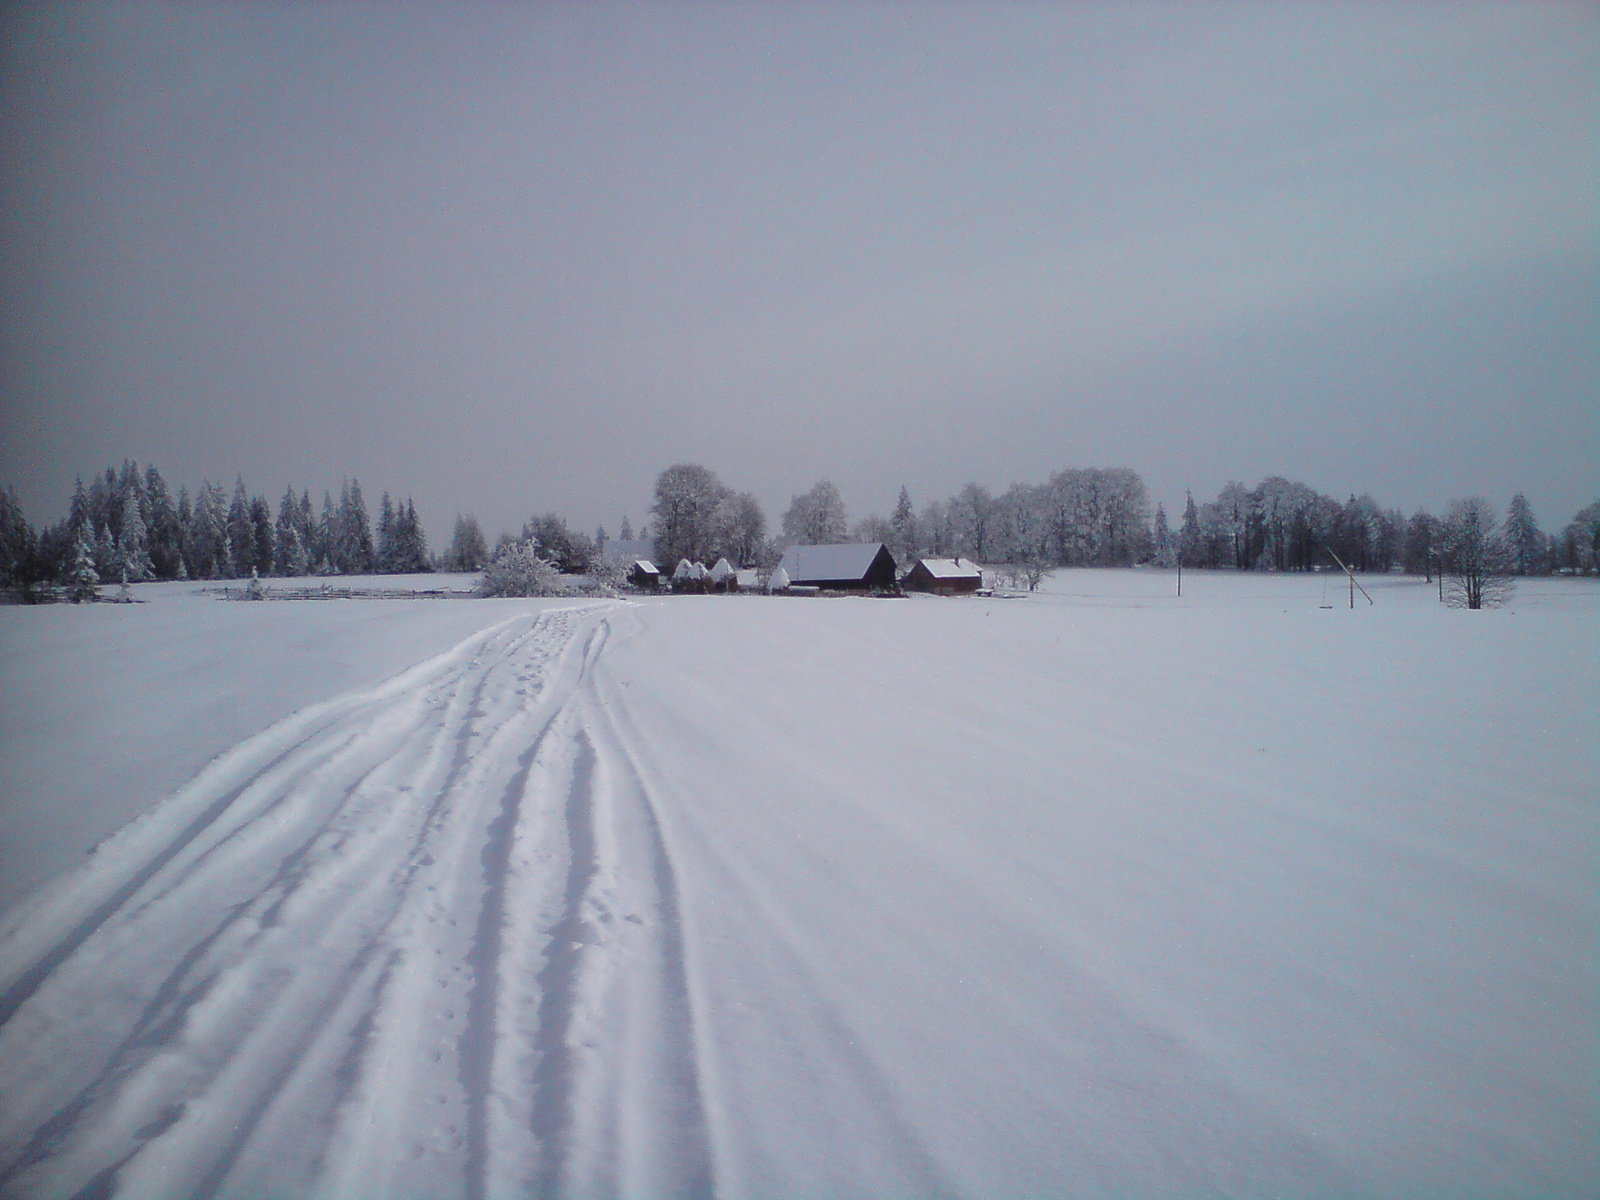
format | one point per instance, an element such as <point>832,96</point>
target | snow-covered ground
<point>1096,892</point>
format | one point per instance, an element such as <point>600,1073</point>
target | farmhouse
<point>944,576</point>
<point>863,566</point>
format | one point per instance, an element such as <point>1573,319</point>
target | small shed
<point>644,574</point>
<point>944,576</point>
<point>858,566</point>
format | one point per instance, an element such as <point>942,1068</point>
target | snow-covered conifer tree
<point>1524,539</point>
<point>1162,538</point>
<point>241,535</point>
<point>106,562</point>
<point>903,522</point>
<point>133,552</point>
<point>1189,536</point>
<point>388,551</point>
<point>81,578</point>
<point>164,534</point>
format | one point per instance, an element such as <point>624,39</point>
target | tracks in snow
<point>426,939</point>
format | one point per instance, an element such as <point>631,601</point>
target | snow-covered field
<point>1097,892</point>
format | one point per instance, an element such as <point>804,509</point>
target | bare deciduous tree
<point>1476,563</point>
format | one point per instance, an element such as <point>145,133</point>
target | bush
<point>519,571</point>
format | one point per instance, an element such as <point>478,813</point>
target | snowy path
<point>367,953</point>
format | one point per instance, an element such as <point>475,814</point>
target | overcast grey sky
<point>514,257</point>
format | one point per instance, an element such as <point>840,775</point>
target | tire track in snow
<point>610,1065</point>
<point>856,1076</point>
<point>194,1077</point>
<point>648,1100</point>
<point>177,992</point>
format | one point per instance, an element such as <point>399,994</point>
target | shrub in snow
<point>607,571</point>
<point>519,571</point>
<point>253,590</point>
<point>779,581</point>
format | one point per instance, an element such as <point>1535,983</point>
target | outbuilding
<point>944,576</point>
<point>859,567</point>
<point>644,574</point>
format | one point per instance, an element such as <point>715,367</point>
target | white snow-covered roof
<point>645,565</point>
<point>952,568</point>
<point>746,577</point>
<point>849,561</point>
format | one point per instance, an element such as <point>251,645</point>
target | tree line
<point>1102,517</point>
<point>128,526</point>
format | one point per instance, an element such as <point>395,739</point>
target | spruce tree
<point>105,552</point>
<point>208,535</point>
<point>263,539</point>
<point>1523,537</point>
<point>82,579</point>
<point>411,541</point>
<point>286,533</point>
<point>1162,537</point>
<point>240,531</point>
<point>18,543</point>
<point>1189,537</point>
<point>133,552</point>
<point>388,550</point>
<point>78,519</point>
<point>185,534</point>
<point>327,544</point>
<point>165,539</point>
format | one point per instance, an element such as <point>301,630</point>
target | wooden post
<point>1352,575</point>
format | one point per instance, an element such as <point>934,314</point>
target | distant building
<point>644,574</point>
<point>944,576</point>
<point>861,566</point>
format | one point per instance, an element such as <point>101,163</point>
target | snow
<point>111,707</point>
<point>1094,892</point>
